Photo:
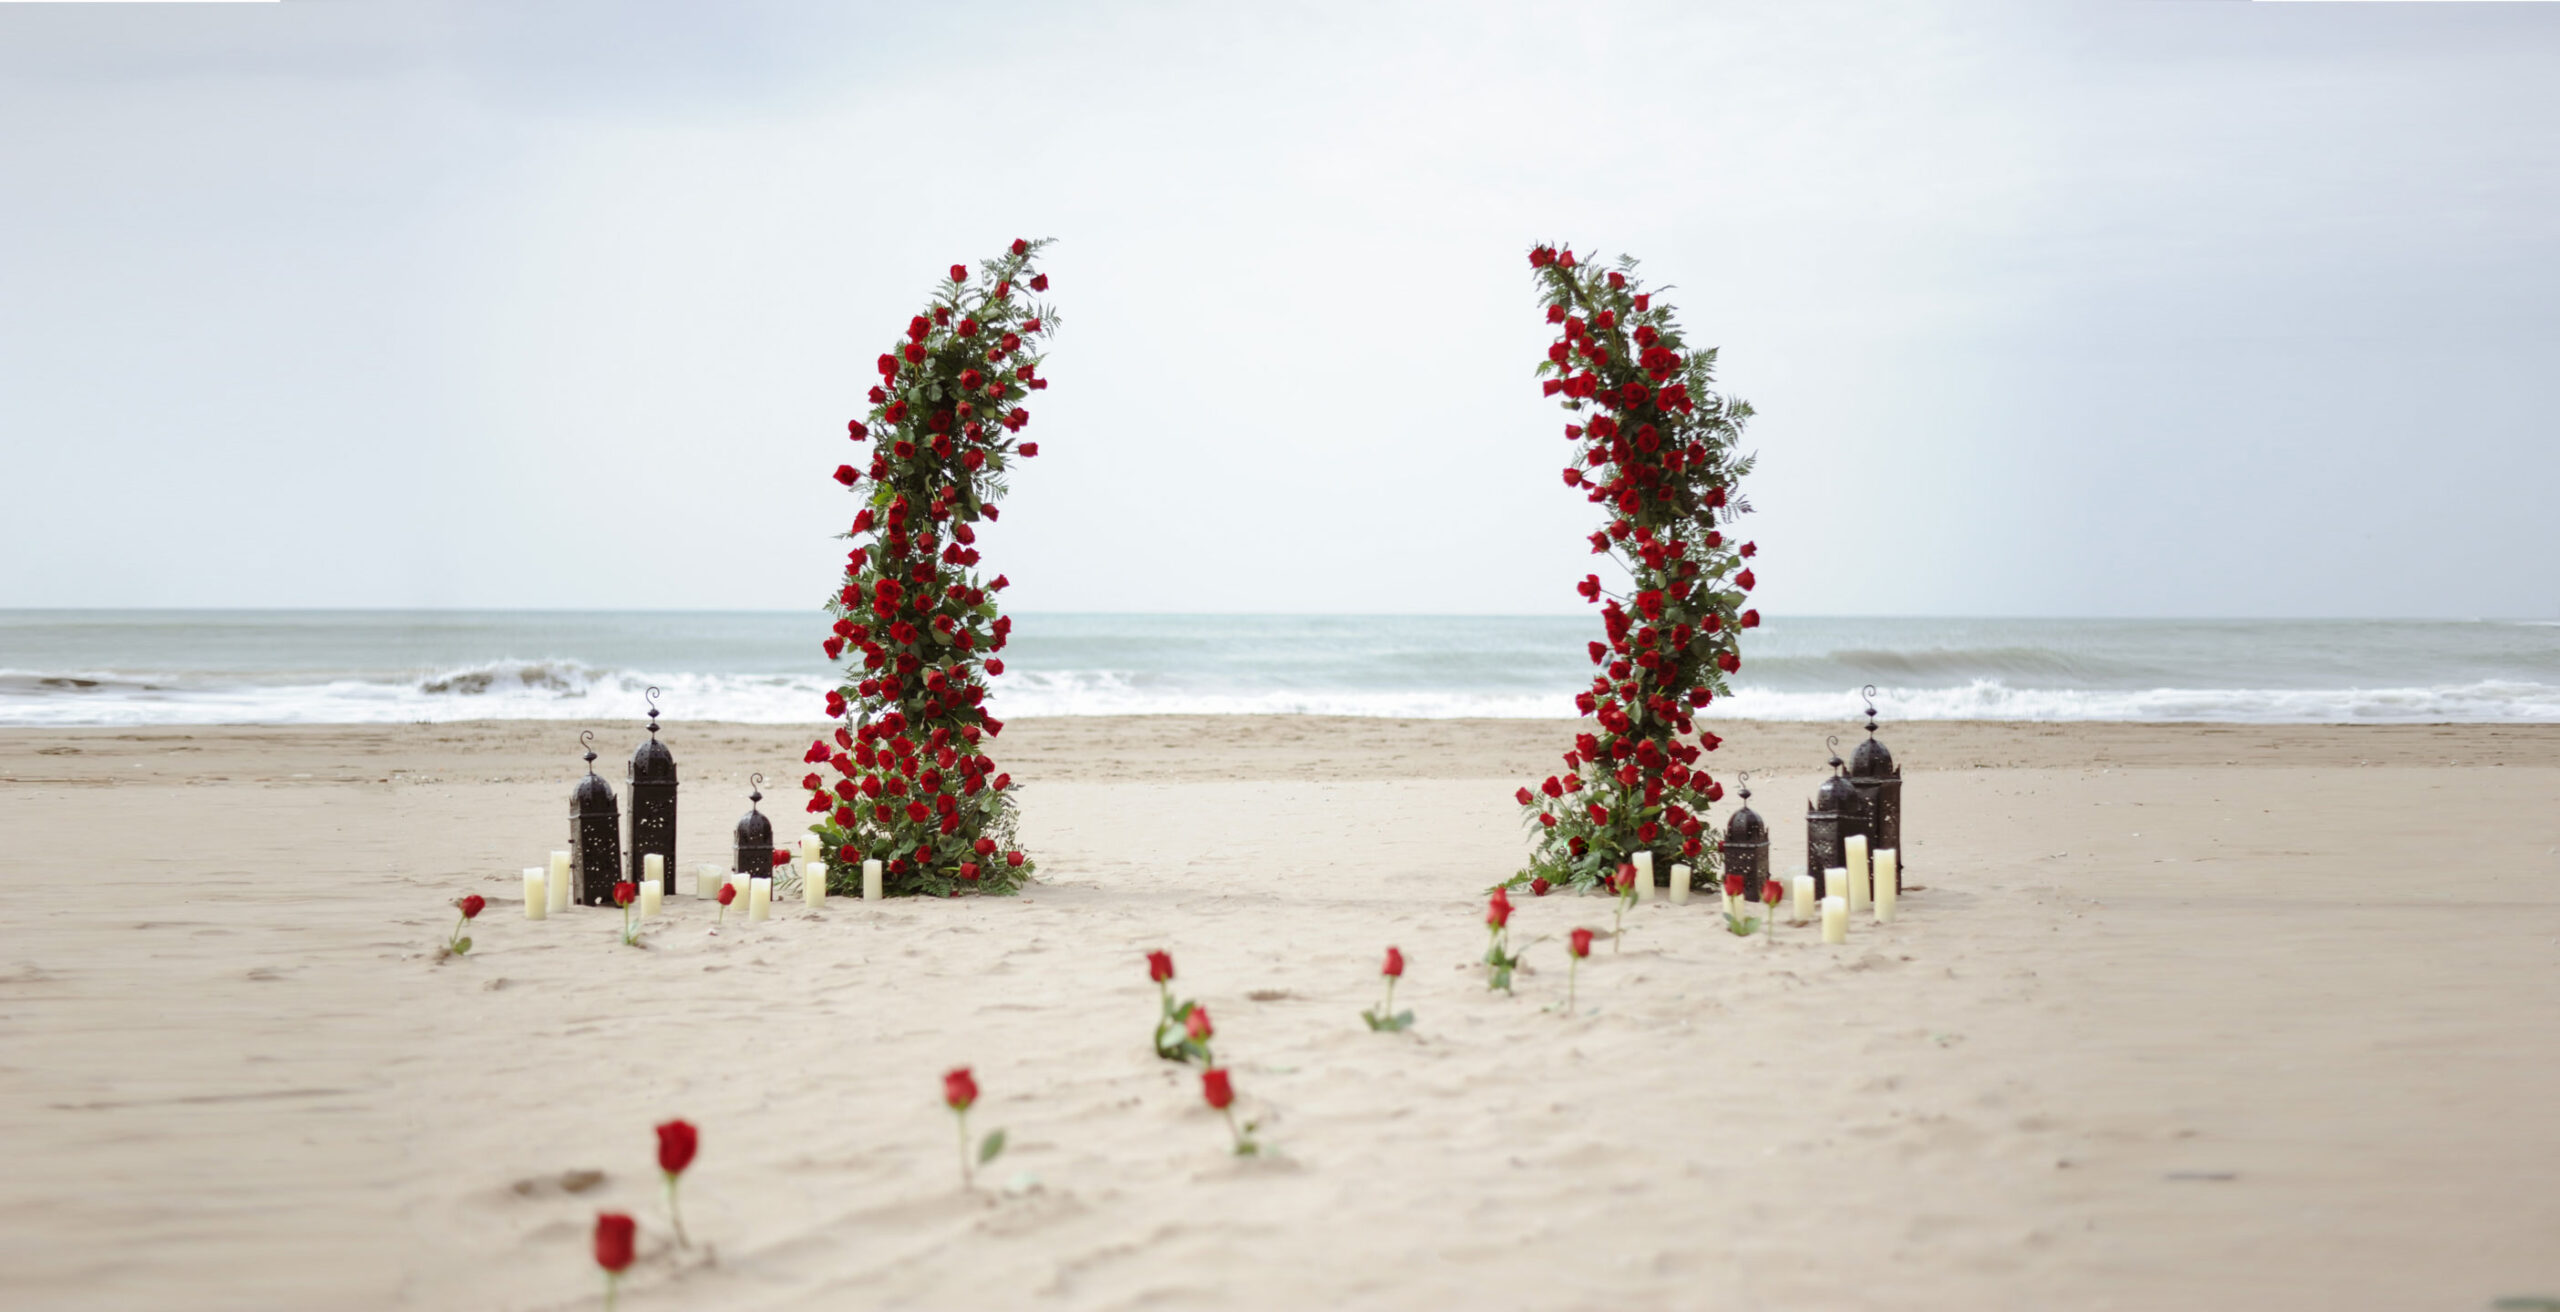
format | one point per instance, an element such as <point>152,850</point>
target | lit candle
<point>1644,876</point>
<point>1835,920</point>
<point>653,871</point>
<point>1856,845</point>
<point>759,898</point>
<point>1803,885</point>
<point>651,892</point>
<point>1680,884</point>
<point>559,881</point>
<point>813,882</point>
<point>537,894</point>
<point>870,881</point>
<point>1888,874</point>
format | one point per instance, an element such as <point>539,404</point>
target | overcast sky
<point>2123,308</point>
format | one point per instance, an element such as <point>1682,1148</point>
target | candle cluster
<point>917,626</point>
<point>1654,447</point>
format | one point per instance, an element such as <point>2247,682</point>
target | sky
<point>2132,308</point>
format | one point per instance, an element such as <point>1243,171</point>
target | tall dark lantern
<point>1823,829</point>
<point>653,801</point>
<point>595,834</point>
<point>755,834</point>
<point>1879,784</point>
<point>1746,845</point>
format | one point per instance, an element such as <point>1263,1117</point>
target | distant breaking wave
<point>567,689</point>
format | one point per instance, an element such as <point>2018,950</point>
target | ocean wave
<point>556,689</point>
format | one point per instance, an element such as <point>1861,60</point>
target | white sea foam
<point>562,689</point>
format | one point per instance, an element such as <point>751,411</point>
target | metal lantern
<point>595,834</point>
<point>1746,845</point>
<point>653,801</point>
<point>1824,826</point>
<point>1879,784</point>
<point>755,834</point>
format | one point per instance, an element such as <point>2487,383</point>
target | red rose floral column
<point>916,626</point>
<point>1654,448</point>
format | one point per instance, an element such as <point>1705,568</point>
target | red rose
<point>1020,247</point>
<point>1581,943</point>
<point>728,894</point>
<point>958,1089</point>
<point>1526,797</point>
<point>1030,449</point>
<point>1733,886</point>
<point>969,871</point>
<point>613,1241</point>
<point>1215,1087</point>
<point>1769,890</point>
<point>856,431</point>
<point>677,1141</point>
<point>1751,619</point>
<point>472,905</point>
<point>1159,966</point>
<point>969,328</point>
<point>1750,549</point>
<point>847,475</point>
<point>1039,283</point>
<point>781,856</point>
<point>1197,1023</point>
<point>959,273</point>
<point>624,892</point>
<point>1728,662</point>
<point>1013,858</point>
<point>1395,964</point>
<point>1497,911</point>
<point>1744,578</point>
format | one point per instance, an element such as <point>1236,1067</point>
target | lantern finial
<point>1833,742</point>
<point>652,695</point>
<point>1869,692</point>
<point>587,739</point>
<point>1742,781</point>
<point>755,794</point>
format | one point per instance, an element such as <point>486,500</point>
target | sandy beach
<point>2180,1016</point>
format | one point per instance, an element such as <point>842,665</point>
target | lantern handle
<point>587,739</point>
<point>652,696</point>
<point>755,790</point>
<point>1833,742</point>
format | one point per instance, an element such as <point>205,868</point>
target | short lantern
<point>1879,784</point>
<point>653,801</point>
<point>1746,845</point>
<point>595,834</point>
<point>1823,850</point>
<point>755,834</point>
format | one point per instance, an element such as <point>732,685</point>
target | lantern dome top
<point>1746,826</point>
<point>592,792</point>
<point>652,763</point>
<point>755,832</point>
<point>1836,793</point>
<point>1872,759</point>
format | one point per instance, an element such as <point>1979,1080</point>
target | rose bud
<point>1733,886</point>
<point>969,871</point>
<point>1039,283</point>
<point>959,273</point>
<point>1159,966</point>
<point>1744,578</point>
<point>613,1241</point>
<point>472,905</point>
<point>1215,1087</point>
<point>1497,911</point>
<point>1020,247</point>
<point>1769,890</point>
<point>1394,966</point>
<point>1581,943</point>
<point>624,892</point>
<point>958,1089</point>
<point>677,1142</point>
<point>728,894</point>
<point>847,475</point>
<point>1197,1024</point>
<point>1030,448</point>
<point>1538,887</point>
<point>1013,858</point>
<point>1751,619</point>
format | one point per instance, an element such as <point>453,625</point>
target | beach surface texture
<point>2173,1016</point>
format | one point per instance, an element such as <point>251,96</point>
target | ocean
<point>317,667</point>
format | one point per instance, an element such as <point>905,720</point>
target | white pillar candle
<point>537,893</point>
<point>870,881</point>
<point>559,881</point>
<point>1644,876</point>
<point>1835,920</point>
<point>1804,897</point>
<point>1680,884</point>
<point>813,883</point>
<point>759,898</point>
<point>652,891</point>
<point>707,879</point>
<point>1856,849</point>
<point>738,881</point>
<point>1835,883</point>
<point>809,849</point>
<point>653,870</point>
<point>1888,870</point>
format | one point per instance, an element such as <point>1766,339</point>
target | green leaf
<point>460,946</point>
<point>989,1147</point>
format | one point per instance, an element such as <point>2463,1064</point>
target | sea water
<point>212,667</point>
